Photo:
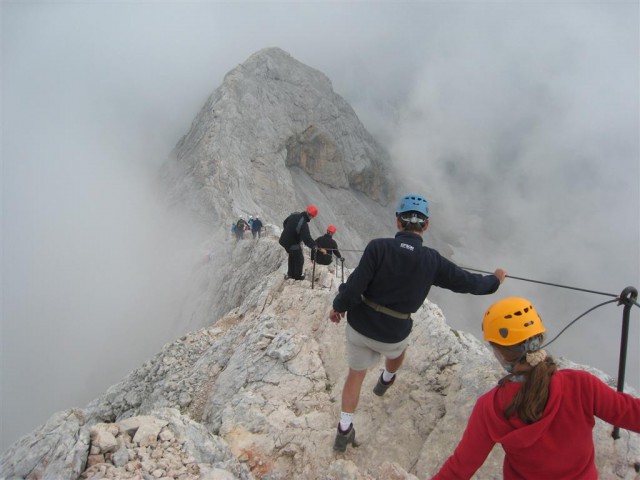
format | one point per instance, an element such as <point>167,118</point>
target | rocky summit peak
<point>247,149</point>
<point>272,139</point>
<point>274,64</point>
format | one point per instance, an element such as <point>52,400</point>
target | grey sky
<point>519,119</point>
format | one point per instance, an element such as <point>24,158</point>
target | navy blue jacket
<point>296,230</point>
<point>256,225</point>
<point>398,274</point>
<point>325,241</point>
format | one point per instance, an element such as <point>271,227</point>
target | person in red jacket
<point>543,417</point>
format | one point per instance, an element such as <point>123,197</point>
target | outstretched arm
<point>456,279</point>
<point>472,451</point>
<point>617,408</point>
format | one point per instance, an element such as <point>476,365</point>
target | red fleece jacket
<point>559,446</point>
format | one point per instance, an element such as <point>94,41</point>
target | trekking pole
<point>342,270</point>
<point>628,297</point>
<point>313,271</point>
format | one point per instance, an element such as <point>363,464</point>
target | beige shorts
<point>363,352</point>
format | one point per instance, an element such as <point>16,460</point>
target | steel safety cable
<point>547,283</point>
<point>576,319</point>
<point>559,285</point>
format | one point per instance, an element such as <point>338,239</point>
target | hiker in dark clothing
<point>327,242</point>
<point>295,231</point>
<point>390,283</point>
<point>241,226</point>
<point>256,227</point>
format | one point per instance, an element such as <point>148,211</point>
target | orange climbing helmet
<point>331,229</point>
<point>312,210</point>
<point>511,321</point>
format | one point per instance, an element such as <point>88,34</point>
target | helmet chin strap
<point>529,345</point>
<point>508,366</point>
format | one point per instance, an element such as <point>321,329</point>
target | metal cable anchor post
<point>627,298</point>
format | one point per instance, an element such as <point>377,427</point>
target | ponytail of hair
<point>530,401</point>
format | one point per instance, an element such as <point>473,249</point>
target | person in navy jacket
<point>327,242</point>
<point>295,231</point>
<point>390,283</point>
<point>543,417</point>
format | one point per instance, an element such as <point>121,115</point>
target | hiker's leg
<point>351,390</point>
<point>291,266</point>
<point>298,259</point>
<point>359,358</point>
<point>393,364</point>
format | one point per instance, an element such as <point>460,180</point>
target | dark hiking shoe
<point>345,438</point>
<point>382,386</point>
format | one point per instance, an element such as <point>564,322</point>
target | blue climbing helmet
<point>413,203</point>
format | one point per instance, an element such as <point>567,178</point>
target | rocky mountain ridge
<point>256,395</point>
<point>252,391</point>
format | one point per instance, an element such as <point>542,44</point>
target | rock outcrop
<point>256,395</point>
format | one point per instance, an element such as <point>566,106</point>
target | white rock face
<point>271,113</point>
<point>255,393</point>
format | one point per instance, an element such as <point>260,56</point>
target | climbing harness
<point>385,310</point>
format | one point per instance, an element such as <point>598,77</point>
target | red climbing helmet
<point>312,210</point>
<point>331,229</point>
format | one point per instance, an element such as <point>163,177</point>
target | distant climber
<point>390,283</point>
<point>543,417</point>
<point>327,242</point>
<point>241,226</point>
<point>296,230</point>
<point>256,228</point>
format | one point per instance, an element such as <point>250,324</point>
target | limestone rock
<point>57,449</point>
<point>265,382</point>
<point>318,155</point>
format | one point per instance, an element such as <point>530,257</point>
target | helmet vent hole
<point>508,316</point>
<point>528,324</point>
<point>526,309</point>
<point>504,332</point>
<point>518,313</point>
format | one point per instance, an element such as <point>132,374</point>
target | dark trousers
<point>296,262</point>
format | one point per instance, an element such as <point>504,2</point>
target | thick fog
<point>519,121</point>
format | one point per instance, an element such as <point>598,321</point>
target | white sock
<point>387,376</point>
<point>345,421</point>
